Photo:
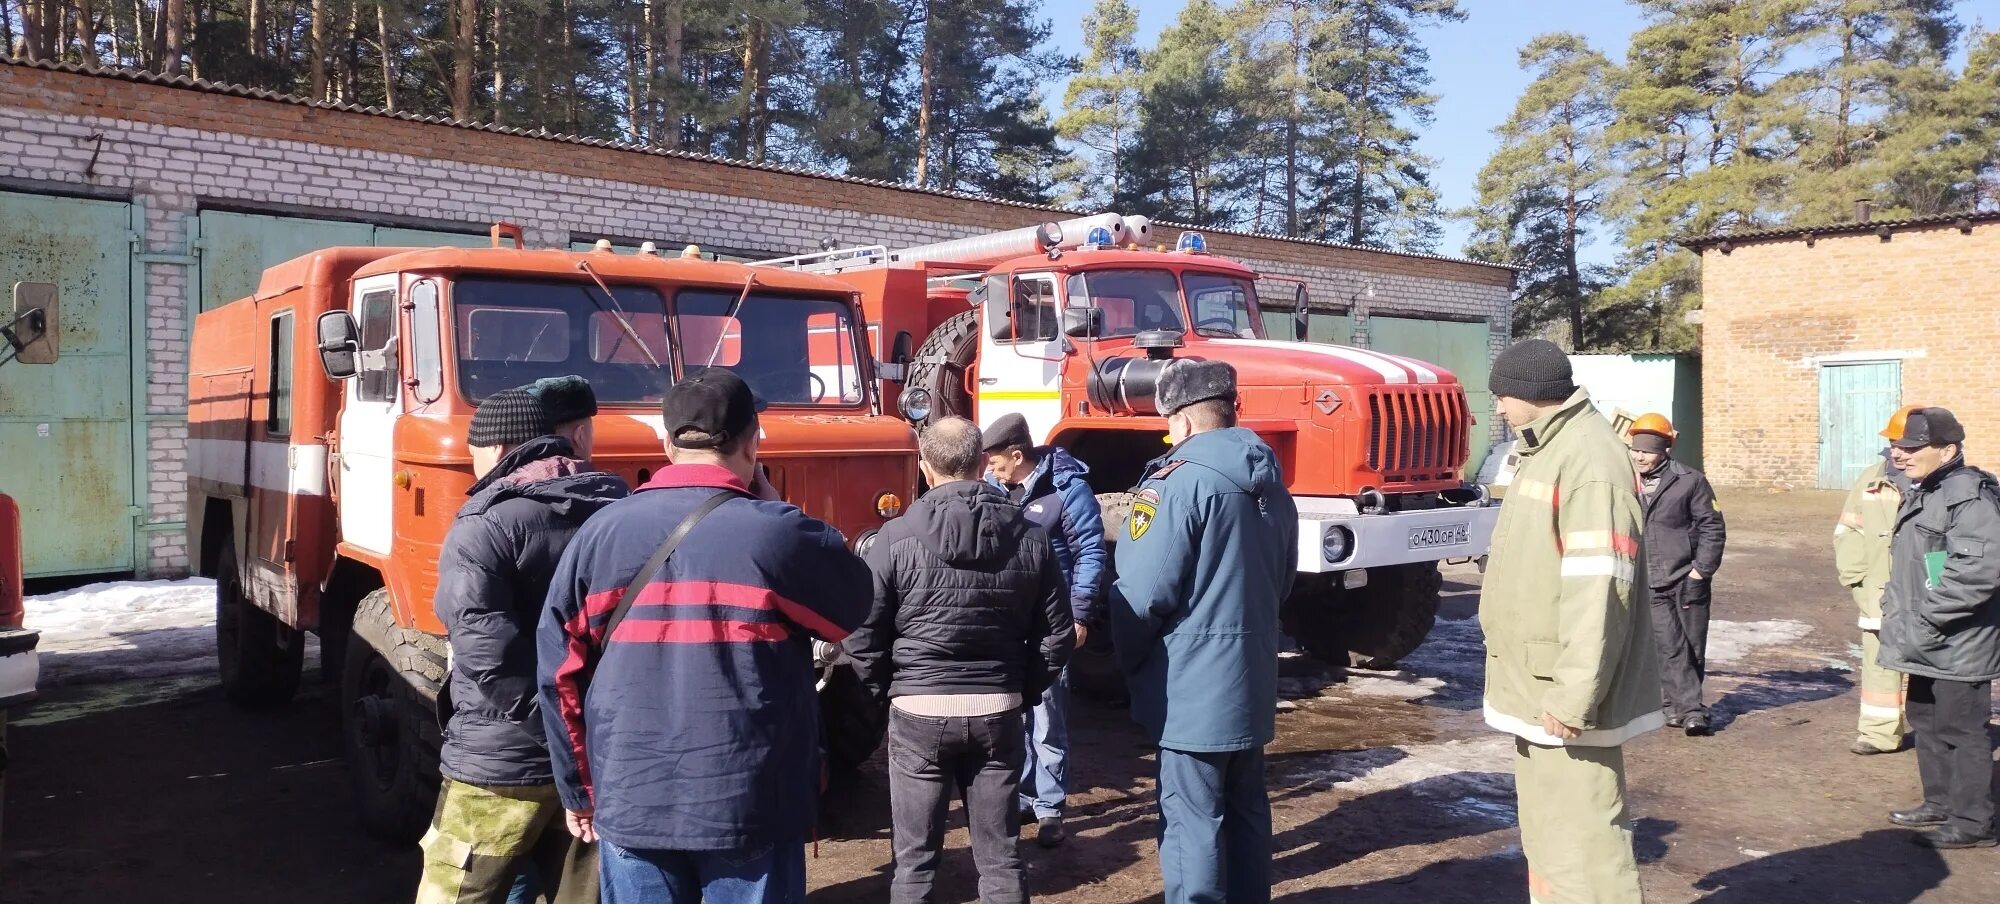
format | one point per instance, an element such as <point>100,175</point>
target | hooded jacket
<point>1057,498</point>
<point>1684,529</point>
<point>1567,629</point>
<point>493,573</point>
<point>1206,556</point>
<point>697,726</point>
<point>1861,538</point>
<point>1941,615</point>
<point>968,600</point>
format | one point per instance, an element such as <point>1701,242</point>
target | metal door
<point>237,247</point>
<point>368,419</point>
<point>1021,372</point>
<point>1855,400</point>
<point>1462,348</point>
<point>67,437</point>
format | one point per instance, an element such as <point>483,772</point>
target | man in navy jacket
<point>1048,483</point>
<point>687,743</point>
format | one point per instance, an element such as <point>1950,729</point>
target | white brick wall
<point>174,171</point>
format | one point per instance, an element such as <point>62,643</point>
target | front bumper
<point>1398,538</point>
<point>20,666</point>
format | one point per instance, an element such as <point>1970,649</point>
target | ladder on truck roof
<point>975,252</point>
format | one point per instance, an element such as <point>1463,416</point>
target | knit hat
<point>1532,370</point>
<point>509,417</point>
<point>1192,380</point>
<point>566,399</point>
<point>1006,433</point>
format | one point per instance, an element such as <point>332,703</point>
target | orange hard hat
<point>1894,431</point>
<point>1655,423</point>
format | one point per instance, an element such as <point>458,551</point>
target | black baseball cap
<point>1930,427</point>
<point>716,402</point>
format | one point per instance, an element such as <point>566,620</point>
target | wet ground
<point>1385,787</point>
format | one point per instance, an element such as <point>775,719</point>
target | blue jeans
<point>1045,771</point>
<point>1215,827</point>
<point>773,874</point>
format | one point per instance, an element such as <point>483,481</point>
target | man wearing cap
<point>1861,553</point>
<point>498,821</point>
<point>1571,669</point>
<point>1684,535</point>
<point>1204,559</point>
<point>1050,486</point>
<point>1942,626</point>
<point>686,736</point>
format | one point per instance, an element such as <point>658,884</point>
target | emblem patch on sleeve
<point>1141,519</point>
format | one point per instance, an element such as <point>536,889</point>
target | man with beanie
<point>676,680</point>
<point>1941,626</point>
<point>1050,486</point>
<point>1207,553</point>
<point>1684,534</point>
<point>1571,669</point>
<point>498,821</point>
<point>970,624</point>
<point>1861,553</point>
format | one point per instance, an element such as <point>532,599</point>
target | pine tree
<point>1541,194</point>
<point>1101,105</point>
<point>1185,163</point>
<point>981,123</point>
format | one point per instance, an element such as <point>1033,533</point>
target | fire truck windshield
<point>793,351</point>
<point>1134,301</point>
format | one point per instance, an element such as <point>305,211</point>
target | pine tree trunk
<point>649,39</point>
<point>670,60</point>
<point>751,124</point>
<point>7,29</point>
<point>570,66</point>
<point>31,30</point>
<point>86,32</point>
<point>925,87</point>
<point>1840,128</point>
<point>465,44</point>
<point>175,35</point>
<point>317,48</point>
<point>499,83</point>
<point>632,84</point>
<point>254,18</point>
<point>1361,98</point>
<point>388,65</point>
<point>1292,122</point>
<point>156,53</point>
<point>1573,287</point>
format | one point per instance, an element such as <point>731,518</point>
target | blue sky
<point>1475,66</point>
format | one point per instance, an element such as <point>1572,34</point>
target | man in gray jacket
<point>1942,626</point>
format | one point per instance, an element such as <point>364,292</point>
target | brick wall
<point>177,148</point>
<point>1773,311</point>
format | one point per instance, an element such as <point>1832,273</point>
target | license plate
<point>1441,535</point>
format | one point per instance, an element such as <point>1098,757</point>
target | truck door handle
<point>988,381</point>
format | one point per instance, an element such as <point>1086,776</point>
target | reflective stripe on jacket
<point>1861,541</point>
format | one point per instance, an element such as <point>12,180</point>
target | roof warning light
<point>1192,242</point>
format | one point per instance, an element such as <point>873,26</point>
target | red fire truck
<point>327,418</point>
<point>1072,323</point>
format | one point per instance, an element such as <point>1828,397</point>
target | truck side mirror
<point>339,345</point>
<point>33,335</point>
<point>1301,311</point>
<point>1083,323</point>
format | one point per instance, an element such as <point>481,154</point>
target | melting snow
<point>129,629</point>
<point>1472,778</point>
<point>1730,641</point>
<point>1393,684</point>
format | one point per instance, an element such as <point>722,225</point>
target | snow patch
<point>1730,641</point>
<point>1398,685</point>
<point>127,629</point>
<point>1471,779</point>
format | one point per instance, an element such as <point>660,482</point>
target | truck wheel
<point>1093,669</point>
<point>1372,627</point>
<point>850,721</point>
<point>941,364</point>
<point>259,657</point>
<point>389,729</point>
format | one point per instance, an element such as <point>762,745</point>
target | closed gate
<point>67,437</point>
<point>1855,401</point>
<point>1465,349</point>
<point>237,247</point>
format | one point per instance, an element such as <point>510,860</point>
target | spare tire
<point>941,365</point>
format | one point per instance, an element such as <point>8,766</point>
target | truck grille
<point>1417,433</point>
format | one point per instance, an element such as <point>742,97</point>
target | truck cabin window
<point>1029,314</point>
<point>1133,301</point>
<point>1224,307</point>
<point>792,350</point>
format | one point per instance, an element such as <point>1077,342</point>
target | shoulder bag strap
<point>659,559</point>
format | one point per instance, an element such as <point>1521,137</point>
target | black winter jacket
<point>493,574</point>
<point>1684,529</point>
<point>1941,611</point>
<point>969,599</point>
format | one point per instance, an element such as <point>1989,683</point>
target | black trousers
<point>931,760</point>
<point>1680,628</point>
<point>1954,756</point>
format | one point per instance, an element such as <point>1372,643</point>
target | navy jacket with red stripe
<point>698,729</point>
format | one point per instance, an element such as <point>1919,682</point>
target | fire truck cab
<point>1071,324</point>
<point>327,456</point>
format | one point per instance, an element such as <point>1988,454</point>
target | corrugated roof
<point>203,85</point>
<point>1963,220</point>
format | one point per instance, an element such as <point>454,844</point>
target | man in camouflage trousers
<point>1861,552</point>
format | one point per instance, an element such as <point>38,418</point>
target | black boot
<point>1697,725</point>
<point>1918,817</point>
<point>1953,838</point>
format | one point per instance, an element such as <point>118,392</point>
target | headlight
<point>866,540</point>
<point>915,403</point>
<point>888,505</point>
<point>1336,544</point>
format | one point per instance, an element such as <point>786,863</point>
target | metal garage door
<point>66,433</point>
<point>237,247</point>
<point>1320,326</point>
<point>1462,348</point>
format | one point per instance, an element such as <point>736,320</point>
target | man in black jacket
<point>498,821</point>
<point>1684,534</point>
<point>970,624</point>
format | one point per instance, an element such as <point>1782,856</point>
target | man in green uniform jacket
<point>1571,669</point>
<point>1861,553</point>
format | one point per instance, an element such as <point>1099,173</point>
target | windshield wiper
<point>723,334</point>
<point>618,314</point>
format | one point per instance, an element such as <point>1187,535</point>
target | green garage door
<point>237,247</point>
<point>1461,348</point>
<point>66,429</point>
<point>1320,326</point>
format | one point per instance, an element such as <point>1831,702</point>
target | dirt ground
<point>1386,787</point>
